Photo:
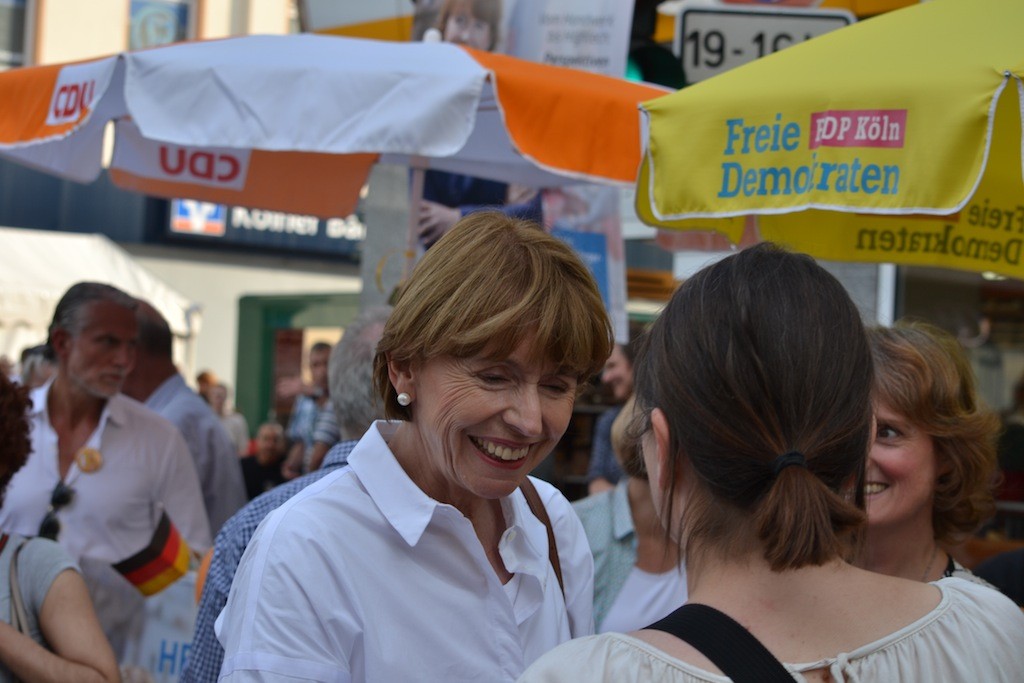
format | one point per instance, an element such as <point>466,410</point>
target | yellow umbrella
<point>897,139</point>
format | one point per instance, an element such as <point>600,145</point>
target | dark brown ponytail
<point>757,357</point>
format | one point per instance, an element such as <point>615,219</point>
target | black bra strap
<point>725,642</point>
<point>950,567</point>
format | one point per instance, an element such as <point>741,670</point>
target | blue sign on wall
<point>236,225</point>
<point>31,199</point>
<point>592,248</point>
<point>189,217</point>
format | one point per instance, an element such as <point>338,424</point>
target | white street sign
<point>711,40</point>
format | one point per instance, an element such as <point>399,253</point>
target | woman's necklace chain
<point>931,563</point>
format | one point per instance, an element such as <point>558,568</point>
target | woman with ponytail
<point>755,420</point>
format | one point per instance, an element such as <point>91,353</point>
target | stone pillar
<point>385,213</point>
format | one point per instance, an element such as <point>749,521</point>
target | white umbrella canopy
<point>294,123</point>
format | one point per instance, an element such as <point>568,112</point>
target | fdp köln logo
<point>191,217</point>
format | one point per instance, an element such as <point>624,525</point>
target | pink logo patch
<point>859,128</point>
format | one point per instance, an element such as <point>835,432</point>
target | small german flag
<point>161,563</point>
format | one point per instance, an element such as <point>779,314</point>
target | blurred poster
<point>593,249</point>
<point>158,648</point>
<point>587,217</point>
<point>592,35</point>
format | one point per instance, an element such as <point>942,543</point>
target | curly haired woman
<point>930,470</point>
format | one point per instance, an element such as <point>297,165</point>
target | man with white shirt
<point>156,382</point>
<point>107,478</point>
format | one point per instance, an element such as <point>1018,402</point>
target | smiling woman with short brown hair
<point>433,556</point>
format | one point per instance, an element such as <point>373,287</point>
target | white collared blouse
<point>363,577</point>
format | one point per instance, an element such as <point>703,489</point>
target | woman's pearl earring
<point>404,399</point>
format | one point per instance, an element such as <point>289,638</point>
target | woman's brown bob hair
<point>757,356</point>
<point>922,374</point>
<point>490,283</point>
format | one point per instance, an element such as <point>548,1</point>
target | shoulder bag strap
<point>537,508</point>
<point>19,616</point>
<point>725,642</point>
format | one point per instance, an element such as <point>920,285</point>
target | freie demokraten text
<point>983,231</point>
<point>828,129</point>
<point>996,235</point>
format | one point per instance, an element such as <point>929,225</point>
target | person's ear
<point>659,425</point>
<point>943,465</point>
<point>60,340</point>
<point>402,374</point>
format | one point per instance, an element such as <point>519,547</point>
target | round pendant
<point>89,459</point>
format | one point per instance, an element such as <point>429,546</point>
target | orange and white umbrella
<point>294,123</point>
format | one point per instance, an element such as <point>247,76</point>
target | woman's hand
<point>291,466</point>
<point>435,220</point>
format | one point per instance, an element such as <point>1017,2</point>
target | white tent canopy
<point>38,266</point>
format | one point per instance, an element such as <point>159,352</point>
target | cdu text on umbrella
<point>222,167</point>
<point>70,100</point>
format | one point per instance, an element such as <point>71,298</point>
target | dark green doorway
<point>270,342</point>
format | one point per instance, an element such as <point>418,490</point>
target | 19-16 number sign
<point>711,40</point>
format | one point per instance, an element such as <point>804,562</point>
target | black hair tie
<point>786,459</point>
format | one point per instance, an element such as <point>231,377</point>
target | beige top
<point>974,634</point>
